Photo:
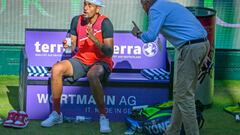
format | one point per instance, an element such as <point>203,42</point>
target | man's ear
<point>98,9</point>
<point>148,3</point>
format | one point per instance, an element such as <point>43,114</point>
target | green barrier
<point>10,59</point>
<point>227,65</point>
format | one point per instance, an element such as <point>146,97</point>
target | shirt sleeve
<point>73,27</point>
<point>107,28</point>
<point>156,20</point>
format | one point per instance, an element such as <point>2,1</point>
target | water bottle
<point>237,117</point>
<point>1,121</point>
<point>77,119</point>
<point>69,119</point>
<point>83,119</point>
<point>69,43</point>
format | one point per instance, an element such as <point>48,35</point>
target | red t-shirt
<point>88,52</point>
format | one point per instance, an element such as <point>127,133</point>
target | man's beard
<point>87,19</point>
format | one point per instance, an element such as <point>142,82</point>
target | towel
<point>155,74</point>
<point>40,71</point>
<point>39,74</point>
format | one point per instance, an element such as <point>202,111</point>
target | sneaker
<point>53,119</point>
<point>21,120</point>
<point>10,119</point>
<point>104,124</point>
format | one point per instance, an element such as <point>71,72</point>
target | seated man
<point>93,34</point>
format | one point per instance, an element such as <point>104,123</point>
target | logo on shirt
<point>150,49</point>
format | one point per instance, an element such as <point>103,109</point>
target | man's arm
<point>74,42</point>
<point>107,30</point>
<point>106,47</point>
<point>73,32</point>
<point>156,20</point>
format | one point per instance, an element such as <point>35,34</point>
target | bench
<point>125,87</point>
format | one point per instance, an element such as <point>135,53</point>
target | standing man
<point>93,35</point>
<point>182,29</point>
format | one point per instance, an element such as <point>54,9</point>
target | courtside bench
<point>125,88</point>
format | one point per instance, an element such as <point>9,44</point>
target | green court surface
<point>217,122</point>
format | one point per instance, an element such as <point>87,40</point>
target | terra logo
<point>150,49</point>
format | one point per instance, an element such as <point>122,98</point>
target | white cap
<point>96,2</point>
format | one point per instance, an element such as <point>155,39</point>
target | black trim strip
<point>105,84</point>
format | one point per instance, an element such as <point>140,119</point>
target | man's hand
<point>135,30</point>
<point>105,47</point>
<point>89,31</point>
<point>205,69</point>
<point>91,36</point>
<point>65,45</point>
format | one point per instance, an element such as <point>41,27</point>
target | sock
<point>102,109</point>
<point>56,105</point>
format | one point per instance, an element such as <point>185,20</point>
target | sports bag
<point>153,120</point>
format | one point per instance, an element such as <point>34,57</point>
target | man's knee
<point>57,69</point>
<point>93,75</point>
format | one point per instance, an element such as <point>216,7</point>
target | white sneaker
<point>53,119</point>
<point>104,125</point>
